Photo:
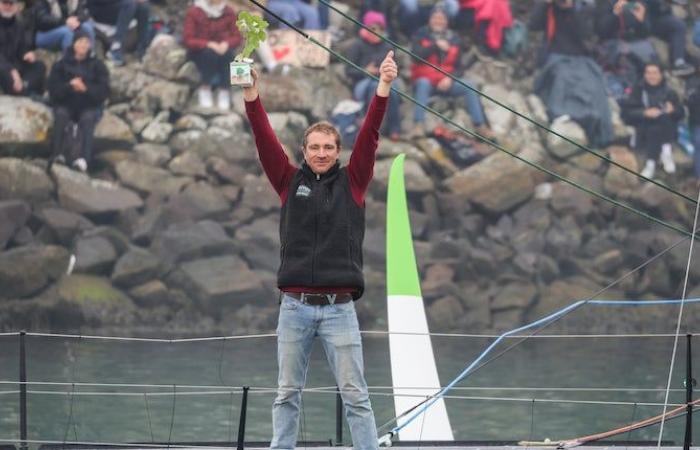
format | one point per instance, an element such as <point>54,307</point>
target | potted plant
<point>252,29</point>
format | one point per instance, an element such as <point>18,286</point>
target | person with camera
<point>654,110</point>
<point>322,225</point>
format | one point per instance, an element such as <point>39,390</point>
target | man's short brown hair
<point>322,127</point>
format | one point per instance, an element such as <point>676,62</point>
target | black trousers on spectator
<point>654,134</point>
<point>672,30</point>
<point>213,68</point>
<point>87,121</point>
<point>33,76</point>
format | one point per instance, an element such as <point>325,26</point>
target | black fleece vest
<point>321,232</point>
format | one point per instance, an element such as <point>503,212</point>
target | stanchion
<point>689,383</point>
<point>241,422</point>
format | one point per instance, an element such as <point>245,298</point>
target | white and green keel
<point>413,371</point>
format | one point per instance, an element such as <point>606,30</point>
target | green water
<point>178,415</point>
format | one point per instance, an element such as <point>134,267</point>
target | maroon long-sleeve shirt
<point>280,170</point>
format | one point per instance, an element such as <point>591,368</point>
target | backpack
<point>346,118</point>
<point>514,39</point>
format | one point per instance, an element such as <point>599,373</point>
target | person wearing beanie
<point>78,87</point>
<point>439,45</point>
<point>20,72</point>
<point>368,51</point>
<point>120,13</point>
<point>57,20</point>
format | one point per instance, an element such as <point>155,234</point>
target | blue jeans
<point>120,14</point>
<point>423,91</point>
<point>337,327</point>
<point>62,37</point>
<point>695,136</point>
<point>296,12</point>
<point>365,89</point>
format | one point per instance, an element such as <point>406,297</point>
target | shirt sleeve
<point>361,165</point>
<point>274,160</point>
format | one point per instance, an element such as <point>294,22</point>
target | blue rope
<point>543,321</point>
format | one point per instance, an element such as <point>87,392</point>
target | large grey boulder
<point>164,57</point>
<point>79,193</point>
<point>111,131</point>
<point>94,255</point>
<point>148,179</point>
<point>186,241</point>
<point>258,194</point>
<point>64,225</point>
<point>23,124</point>
<point>23,180</point>
<point>561,148</point>
<point>415,178</point>
<point>162,95</point>
<point>260,243</point>
<point>136,266</point>
<point>24,271</point>
<point>13,216</point>
<point>223,281</point>
<point>483,183</point>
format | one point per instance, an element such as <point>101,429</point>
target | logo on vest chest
<point>303,191</point>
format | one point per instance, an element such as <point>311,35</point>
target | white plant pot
<point>240,72</point>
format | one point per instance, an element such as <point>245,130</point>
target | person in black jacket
<point>654,110</point>
<point>57,20</point>
<point>565,26</point>
<point>20,72</point>
<point>120,13</point>
<point>368,51</point>
<point>78,86</point>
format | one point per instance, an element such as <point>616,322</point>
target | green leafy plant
<point>252,29</point>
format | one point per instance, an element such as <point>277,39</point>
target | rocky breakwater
<point>176,229</point>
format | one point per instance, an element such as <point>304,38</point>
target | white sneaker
<point>223,99</point>
<point>667,159</point>
<point>80,164</point>
<point>649,169</point>
<point>206,99</point>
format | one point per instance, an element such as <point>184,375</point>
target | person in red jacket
<point>210,35</point>
<point>439,45</point>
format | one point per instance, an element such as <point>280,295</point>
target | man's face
<point>8,8</point>
<point>321,151</point>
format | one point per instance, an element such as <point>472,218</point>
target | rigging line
<point>377,394</point>
<point>161,340</point>
<point>629,433</point>
<point>545,321</point>
<point>678,323</point>
<point>221,362</point>
<point>230,419</point>
<point>370,332</point>
<point>477,135</point>
<point>504,106</point>
<point>72,397</point>
<point>172,416</point>
<point>114,444</point>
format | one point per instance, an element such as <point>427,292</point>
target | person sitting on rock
<point>211,36</point>
<point>654,110</point>
<point>570,83</point>
<point>368,52</point>
<point>78,87</point>
<point>20,72</point>
<point>120,13</point>
<point>57,20</point>
<point>414,14</point>
<point>438,44</point>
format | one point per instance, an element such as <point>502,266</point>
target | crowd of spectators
<point>592,52</point>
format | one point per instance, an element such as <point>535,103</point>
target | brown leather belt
<point>320,299</point>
